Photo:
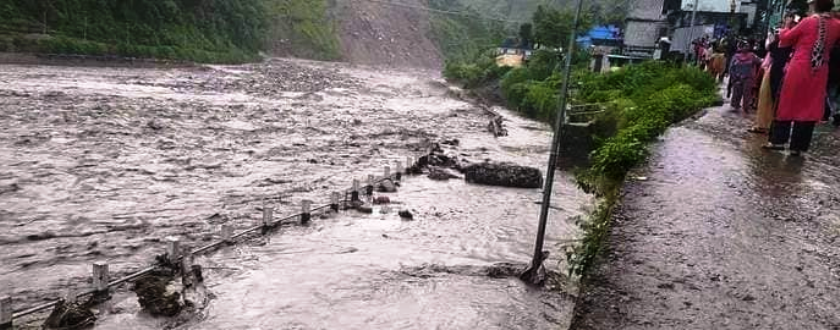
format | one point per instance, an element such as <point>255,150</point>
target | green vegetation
<point>301,28</point>
<point>195,30</point>
<point>643,100</point>
<point>640,102</point>
<point>208,31</point>
<point>463,37</point>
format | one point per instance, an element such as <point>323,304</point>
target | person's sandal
<point>770,146</point>
<point>757,130</point>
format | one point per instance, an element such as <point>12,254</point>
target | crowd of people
<point>791,80</point>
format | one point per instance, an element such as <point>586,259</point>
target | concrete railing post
<point>5,313</point>
<point>268,215</point>
<point>354,195</point>
<point>305,214</point>
<point>227,233</point>
<point>101,278</point>
<point>173,249</point>
<point>186,267</point>
<point>387,172</point>
<point>334,201</point>
<point>370,186</point>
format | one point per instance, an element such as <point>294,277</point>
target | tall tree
<point>553,27</point>
<point>526,35</point>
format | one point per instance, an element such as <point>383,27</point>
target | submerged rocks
<point>441,174</point>
<point>387,186</point>
<point>504,174</point>
<point>70,316</point>
<point>159,295</point>
<point>406,214</point>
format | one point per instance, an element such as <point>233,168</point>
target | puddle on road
<point>104,171</point>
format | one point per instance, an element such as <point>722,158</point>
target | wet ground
<point>716,233</point>
<point>100,164</point>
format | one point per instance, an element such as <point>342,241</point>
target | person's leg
<point>800,140</point>
<point>747,95</point>
<point>779,134</point>
<point>737,94</point>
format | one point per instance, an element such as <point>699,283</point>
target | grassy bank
<point>641,102</point>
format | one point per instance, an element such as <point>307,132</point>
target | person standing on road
<point>742,73</point>
<point>717,64</point>
<point>801,104</point>
<point>766,106</point>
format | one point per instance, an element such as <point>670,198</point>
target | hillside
<point>415,33</point>
<point>206,31</point>
<point>380,33</point>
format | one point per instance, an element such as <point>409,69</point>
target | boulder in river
<point>504,174</point>
<point>441,174</point>
<point>406,214</point>
<point>159,295</point>
<point>70,316</point>
<point>387,186</point>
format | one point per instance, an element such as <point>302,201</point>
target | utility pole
<point>691,28</point>
<point>532,274</point>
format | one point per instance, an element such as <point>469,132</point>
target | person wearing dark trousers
<point>799,134</point>
<point>801,105</point>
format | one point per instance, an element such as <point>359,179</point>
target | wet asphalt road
<point>721,234</point>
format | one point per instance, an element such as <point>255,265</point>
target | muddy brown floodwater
<point>100,164</point>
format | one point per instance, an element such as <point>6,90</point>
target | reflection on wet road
<point>101,164</point>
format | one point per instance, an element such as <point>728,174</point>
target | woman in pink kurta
<point>802,101</point>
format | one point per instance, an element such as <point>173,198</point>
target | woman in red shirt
<point>801,104</point>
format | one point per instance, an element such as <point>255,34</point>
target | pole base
<point>534,275</point>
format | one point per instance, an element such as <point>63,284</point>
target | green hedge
<point>643,101</point>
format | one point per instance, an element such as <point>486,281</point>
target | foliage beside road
<point>642,102</point>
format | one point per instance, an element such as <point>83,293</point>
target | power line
<point>455,13</point>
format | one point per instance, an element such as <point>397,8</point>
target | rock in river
<point>387,186</point>
<point>504,174</point>
<point>158,295</point>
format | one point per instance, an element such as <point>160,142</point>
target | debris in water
<point>504,174</point>
<point>10,188</point>
<point>379,200</point>
<point>387,186</point>
<point>406,214</point>
<point>155,125</point>
<point>159,294</point>
<point>70,316</point>
<point>441,174</point>
<point>365,208</point>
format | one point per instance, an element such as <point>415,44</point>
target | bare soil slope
<point>378,33</point>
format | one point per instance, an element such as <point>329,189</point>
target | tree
<point>553,27</point>
<point>526,34</point>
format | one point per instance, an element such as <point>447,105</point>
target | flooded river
<point>100,164</point>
